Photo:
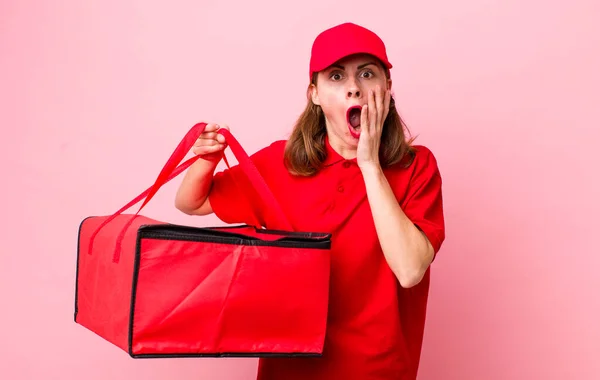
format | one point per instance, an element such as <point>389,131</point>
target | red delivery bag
<point>156,289</point>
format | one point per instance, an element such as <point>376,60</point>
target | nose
<point>353,90</point>
<point>354,93</point>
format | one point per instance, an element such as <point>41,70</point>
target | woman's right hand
<point>192,195</point>
<point>210,144</point>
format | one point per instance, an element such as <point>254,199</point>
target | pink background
<point>504,92</point>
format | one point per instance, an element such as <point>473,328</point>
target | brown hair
<point>305,148</point>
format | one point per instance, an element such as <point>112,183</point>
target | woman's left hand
<point>372,117</point>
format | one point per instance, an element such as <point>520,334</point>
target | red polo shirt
<point>375,327</point>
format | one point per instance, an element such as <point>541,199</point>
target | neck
<point>343,149</point>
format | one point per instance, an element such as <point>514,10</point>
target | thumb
<point>220,138</point>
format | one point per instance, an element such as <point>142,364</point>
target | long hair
<point>305,148</point>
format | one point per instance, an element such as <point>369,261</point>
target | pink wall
<point>504,92</point>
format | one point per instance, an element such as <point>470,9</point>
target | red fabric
<point>341,41</point>
<point>375,327</point>
<point>153,288</point>
<point>103,288</point>
<point>201,297</point>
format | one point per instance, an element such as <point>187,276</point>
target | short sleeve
<point>423,203</point>
<point>232,196</point>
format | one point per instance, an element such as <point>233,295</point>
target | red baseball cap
<point>343,40</point>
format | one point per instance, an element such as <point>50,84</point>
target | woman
<point>348,169</point>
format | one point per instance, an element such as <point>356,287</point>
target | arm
<point>229,193</point>
<point>406,249</point>
<point>192,195</point>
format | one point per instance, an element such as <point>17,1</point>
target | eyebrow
<point>359,67</point>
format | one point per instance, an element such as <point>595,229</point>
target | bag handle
<point>171,170</point>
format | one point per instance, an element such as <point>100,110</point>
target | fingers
<point>207,149</point>
<point>379,103</point>
<point>213,128</point>
<point>388,99</point>
<point>210,127</point>
<point>208,135</point>
<point>220,138</point>
<point>364,119</point>
<point>372,124</point>
<point>210,141</point>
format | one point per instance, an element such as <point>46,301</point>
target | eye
<point>335,76</point>
<point>367,74</point>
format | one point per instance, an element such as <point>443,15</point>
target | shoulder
<point>420,160</point>
<point>424,159</point>
<point>270,154</point>
<point>414,170</point>
<point>269,160</point>
<point>273,149</point>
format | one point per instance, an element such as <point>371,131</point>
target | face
<point>342,86</point>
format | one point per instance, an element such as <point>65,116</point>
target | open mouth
<point>353,119</point>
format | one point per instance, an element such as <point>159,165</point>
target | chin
<point>352,140</point>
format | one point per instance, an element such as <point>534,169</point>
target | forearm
<point>195,186</point>
<point>405,247</point>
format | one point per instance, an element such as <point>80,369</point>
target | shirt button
<point>341,189</point>
<point>346,164</point>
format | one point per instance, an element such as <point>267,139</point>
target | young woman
<point>348,169</point>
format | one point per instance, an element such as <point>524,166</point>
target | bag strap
<point>171,170</point>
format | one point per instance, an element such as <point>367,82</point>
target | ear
<point>313,94</point>
<point>389,84</point>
